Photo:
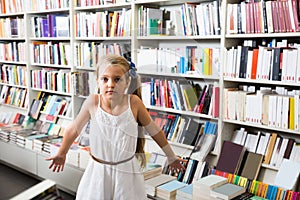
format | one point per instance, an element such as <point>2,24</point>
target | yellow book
<point>292,114</point>
<point>206,61</point>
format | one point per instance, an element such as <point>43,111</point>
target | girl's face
<point>112,81</point>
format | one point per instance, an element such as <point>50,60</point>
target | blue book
<point>186,192</point>
<point>170,187</point>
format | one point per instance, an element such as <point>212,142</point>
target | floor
<point>12,182</point>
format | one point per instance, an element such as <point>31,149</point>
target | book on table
<point>227,191</point>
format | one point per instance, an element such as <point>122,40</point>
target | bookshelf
<point>78,43</point>
<point>263,34</point>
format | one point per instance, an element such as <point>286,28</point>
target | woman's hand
<point>58,162</point>
<point>175,163</point>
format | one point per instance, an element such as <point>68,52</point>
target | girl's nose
<point>110,83</point>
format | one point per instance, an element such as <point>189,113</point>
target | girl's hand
<point>58,162</point>
<point>175,163</point>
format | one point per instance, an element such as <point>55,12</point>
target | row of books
<point>34,5</point>
<point>190,19</point>
<point>13,74</point>
<point>182,129</point>
<point>11,118</point>
<point>265,106</point>
<point>13,96</point>
<point>52,79</point>
<point>87,54</point>
<point>50,53</point>
<point>12,51</point>
<point>14,27</point>
<point>51,105</point>
<point>272,146</point>
<point>263,17</point>
<point>11,6</point>
<point>182,60</point>
<point>283,187</point>
<point>181,95</point>
<point>51,25</point>
<point>84,83</point>
<point>82,3</point>
<point>279,63</point>
<point>103,23</point>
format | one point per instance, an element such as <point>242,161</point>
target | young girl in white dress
<point>117,116</point>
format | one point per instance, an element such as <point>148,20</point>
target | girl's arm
<point>156,133</point>
<point>71,132</point>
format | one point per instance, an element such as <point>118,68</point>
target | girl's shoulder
<point>92,100</point>
<point>135,100</point>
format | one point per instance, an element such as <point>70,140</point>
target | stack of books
<point>185,193</point>
<point>227,191</point>
<point>203,187</point>
<point>152,170</point>
<point>152,183</point>
<point>168,190</point>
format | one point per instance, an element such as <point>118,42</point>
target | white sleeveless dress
<point>112,138</point>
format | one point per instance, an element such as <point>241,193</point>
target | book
<point>168,190</point>
<point>288,174</point>
<point>251,167</point>
<point>230,158</point>
<point>35,108</point>
<point>185,193</point>
<point>203,186</point>
<point>227,191</point>
<point>151,170</point>
<point>152,183</point>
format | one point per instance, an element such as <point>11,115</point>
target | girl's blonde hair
<point>134,88</point>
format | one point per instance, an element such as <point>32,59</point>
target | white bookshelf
<point>222,41</point>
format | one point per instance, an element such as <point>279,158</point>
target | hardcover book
<point>230,157</point>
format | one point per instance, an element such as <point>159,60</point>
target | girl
<point>116,140</point>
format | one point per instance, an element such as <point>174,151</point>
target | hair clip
<point>132,69</point>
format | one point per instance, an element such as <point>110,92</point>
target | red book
<point>275,16</point>
<point>254,63</point>
<point>216,101</point>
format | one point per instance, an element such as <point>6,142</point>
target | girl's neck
<point>114,106</point>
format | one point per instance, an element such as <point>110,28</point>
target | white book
<point>298,65</point>
<point>287,174</point>
<point>281,152</point>
<point>278,111</point>
<point>285,112</point>
<point>249,64</point>
<point>238,61</point>
<point>284,65</point>
<point>237,136</point>
<point>291,65</point>
<point>275,151</point>
<point>260,62</point>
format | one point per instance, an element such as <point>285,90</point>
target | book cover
<point>252,165</point>
<point>231,156</point>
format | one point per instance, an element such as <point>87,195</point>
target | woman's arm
<point>156,133</point>
<point>71,132</point>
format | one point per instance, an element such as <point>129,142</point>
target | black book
<point>190,132</point>
<point>276,73</point>
<point>243,63</point>
<point>207,100</point>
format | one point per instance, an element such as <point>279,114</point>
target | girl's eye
<point>117,80</point>
<point>104,79</point>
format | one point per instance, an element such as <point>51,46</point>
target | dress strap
<point>129,97</point>
<point>110,162</point>
<point>99,100</point>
